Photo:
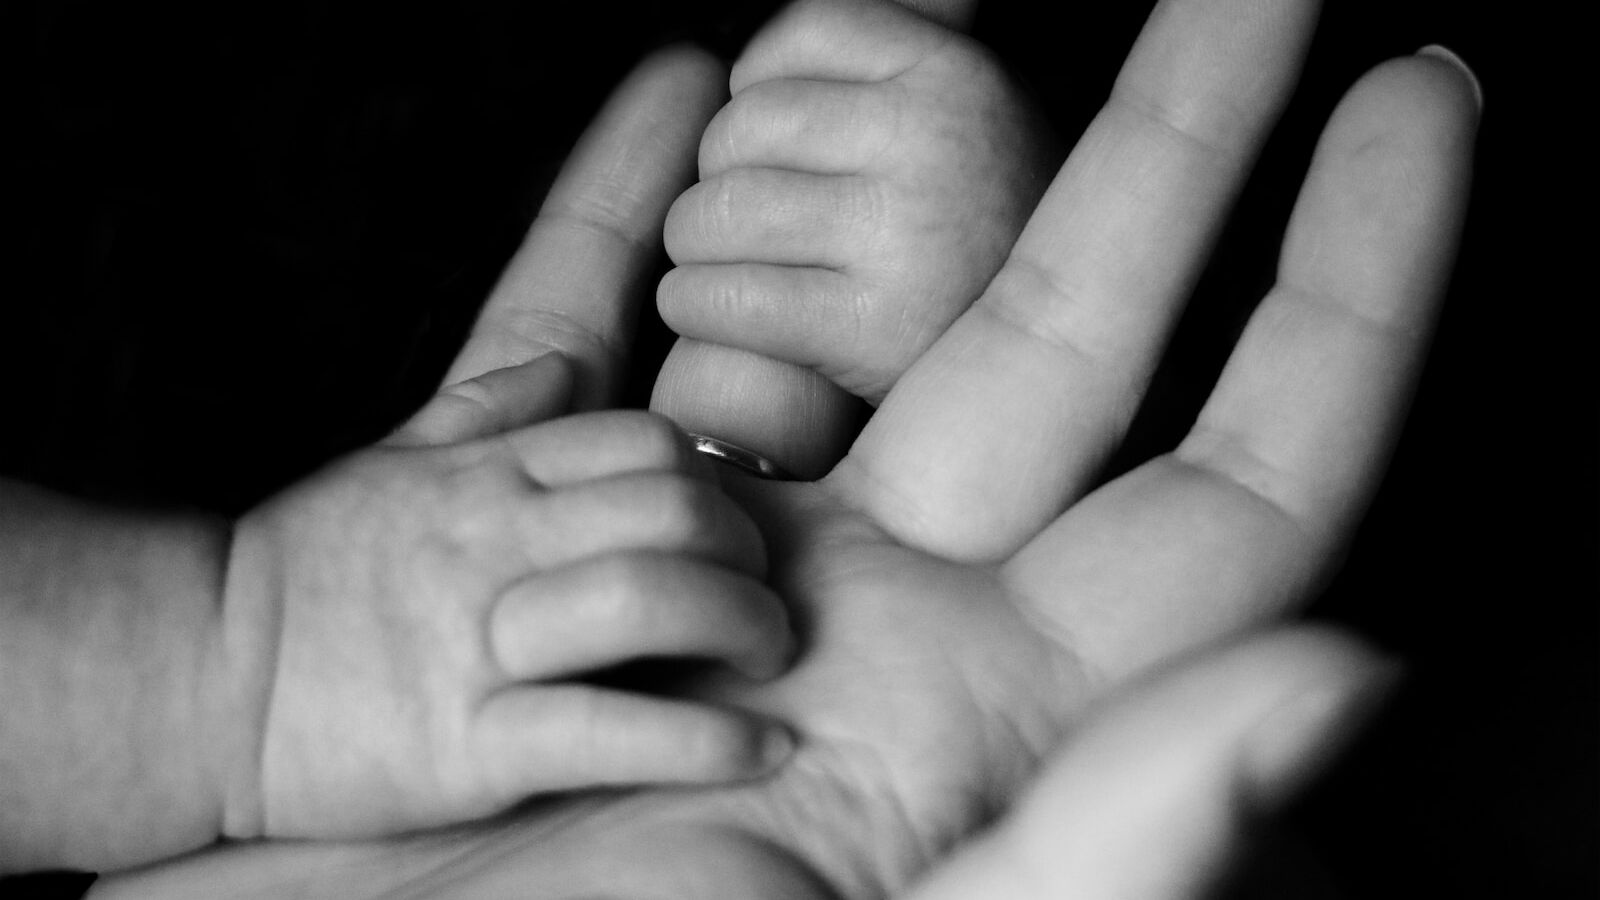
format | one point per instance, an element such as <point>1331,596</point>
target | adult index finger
<point>1246,516</point>
<point>576,282</point>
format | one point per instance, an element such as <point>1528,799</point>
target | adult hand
<point>963,592</point>
<point>1188,759</point>
<point>575,284</point>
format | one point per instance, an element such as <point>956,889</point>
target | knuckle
<point>865,201</point>
<point>728,134</point>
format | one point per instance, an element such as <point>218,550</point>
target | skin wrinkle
<point>575,339</point>
<point>899,101</point>
<point>1222,454</point>
<point>1144,108</point>
<point>605,219</point>
<point>840,784</point>
<point>1355,313</point>
<point>850,776</point>
<point>996,306</point>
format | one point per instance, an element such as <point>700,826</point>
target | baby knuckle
<point>865,201</point>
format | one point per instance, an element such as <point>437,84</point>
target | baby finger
<point>628,606</point>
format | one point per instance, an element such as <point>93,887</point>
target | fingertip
<point>766,746</point>
<point>493,402</point>
<point>1431,93</point>
<point>557,372</point>
<point>689,61</point>
<point>1454,60</point>
<point>778,746</point>
<point>721,745</point>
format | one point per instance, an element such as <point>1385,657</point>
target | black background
<point>251,239</point>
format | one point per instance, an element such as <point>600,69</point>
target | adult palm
<point>962,587</point>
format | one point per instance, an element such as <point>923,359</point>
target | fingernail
<point>777,745</point>
<point>1439,51</point>
<point>1301,737</point>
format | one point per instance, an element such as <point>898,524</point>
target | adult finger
<point>790,414</point>
<point>490,404</point>
<point>1183,761</point>
<point>538,738</point>
<point>588,446</point>
<point>575,284</point>
<point>612,609</point>
<point>1246,516</point>
<point>1006,419</point>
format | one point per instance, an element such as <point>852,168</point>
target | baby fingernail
<point>777,745</point>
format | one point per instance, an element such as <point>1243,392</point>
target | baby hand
<point>435,605</point>
<point>867,179</point>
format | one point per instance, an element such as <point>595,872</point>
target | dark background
<point>250,240</point>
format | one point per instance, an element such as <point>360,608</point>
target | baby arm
<point>390,644</point>
<point>866,180</point>
<point>106,617</point>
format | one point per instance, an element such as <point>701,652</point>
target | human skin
<point>412,626</point>
<point>397,641</point>
<point>964,601</point>
<point>860,188</point>
<point>1189,758</point>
